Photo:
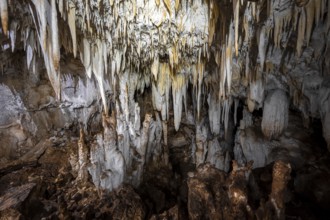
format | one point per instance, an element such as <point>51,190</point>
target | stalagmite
<point>82,158</point>
<point>281,177</point>
<point>201,143</point>
<point>275,114</point>
<point>4,16</point>
<point>142,146</point>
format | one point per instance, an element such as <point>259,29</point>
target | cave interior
<point>165,109</point>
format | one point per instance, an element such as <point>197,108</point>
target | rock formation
<point>165,102</point>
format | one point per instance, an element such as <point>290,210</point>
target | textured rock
<point>215,195</point>
<point>274,208</point>
<point>15,196</point>
<point>293,146</point>
<point>140,90</point>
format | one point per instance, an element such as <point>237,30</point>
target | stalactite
<point>301,32</point>
<point>42,8</point>
<point>87,57</point>
<point>72,26</point>
<point>310,11</point>
<point>263,42</point>
<point>328,18</point>
<point>229,59</point>
<point>226,106</point>
<point>98,70</point>
<point>55,35</point>
<point>155,67</point>
<point>178,88</point>
<point>275,114</point>
<point>177,4</point>
<point>42,14</point>
<point>318,6</point>
<point>199,78</point>
<point>214,110</point>
<point>214,14</point>
<point>29,56</point>
<point>4,16</point>
<point>13,34</point>
<point>61,7</point>
<point>168,5</point>
<point>222,89</point>
<point>236,4</point>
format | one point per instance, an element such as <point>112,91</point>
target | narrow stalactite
<point>55,36</point>
<point>72,26</point>
<point>4,16</point>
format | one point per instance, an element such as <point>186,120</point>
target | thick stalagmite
<point>107,163</point>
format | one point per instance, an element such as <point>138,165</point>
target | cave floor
<point>43,186</point>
